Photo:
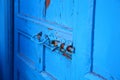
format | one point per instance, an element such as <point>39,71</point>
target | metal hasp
<point>51,41</point>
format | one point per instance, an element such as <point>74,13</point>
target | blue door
<point>43,39</point>
<point>66,40</point>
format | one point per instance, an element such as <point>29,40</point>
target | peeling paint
<point>47,3</point>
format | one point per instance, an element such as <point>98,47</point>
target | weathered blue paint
<point>30,19</point>
<point>65,21</point>
<point>92,26</point>
<point>82,38</point>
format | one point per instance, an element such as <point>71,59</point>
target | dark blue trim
<point>92,35</point>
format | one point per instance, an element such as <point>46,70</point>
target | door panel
<point>25,72</point>
<point>61,12</point>
<point>54,65</point>
<point>57,65</point>
<point>29,50</point>
<point>31,8</point>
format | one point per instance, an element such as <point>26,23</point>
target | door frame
<point>7,38</point>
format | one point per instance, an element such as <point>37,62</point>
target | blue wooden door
<point>43,39</point>
<point>66,39</point>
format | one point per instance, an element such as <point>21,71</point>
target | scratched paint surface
<point>32,8</point>
<point>75,14</point>
<point>61,11</point>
